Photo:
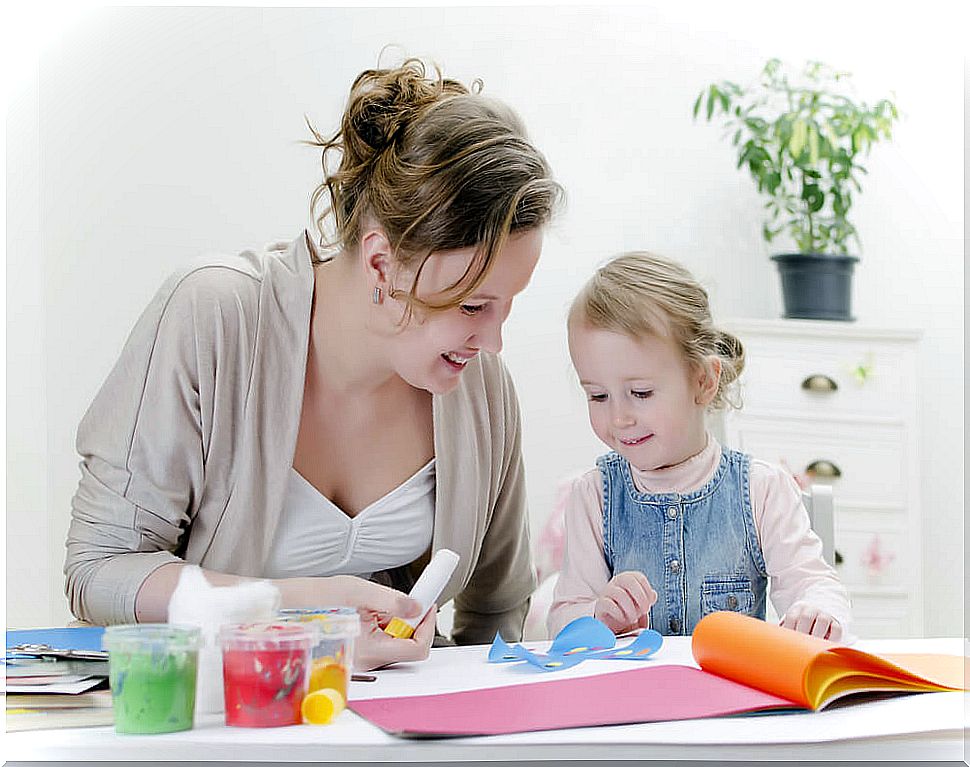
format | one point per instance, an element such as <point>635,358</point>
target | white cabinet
<point>839,401</point>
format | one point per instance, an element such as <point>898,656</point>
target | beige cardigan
<point>187,446</point>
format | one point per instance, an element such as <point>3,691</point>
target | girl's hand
<point>625,603</point>
<point>810,620</point>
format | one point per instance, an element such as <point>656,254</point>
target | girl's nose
<point>621,414</point>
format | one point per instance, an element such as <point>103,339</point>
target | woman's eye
<point>471,309</point>
<point>642,394</point>
<point>597,398</point>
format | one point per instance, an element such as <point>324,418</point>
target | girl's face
<point>645,401</point>
<point>433,348</point>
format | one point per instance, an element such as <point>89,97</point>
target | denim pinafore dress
<point>699,550</point>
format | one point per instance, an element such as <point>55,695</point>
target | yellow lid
<point>321,706</point>
<point>398,628</point>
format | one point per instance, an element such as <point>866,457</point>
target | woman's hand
<point>810,620</point>
<point>376,605</point>
<point>375,649</point>
<point>625,603</point>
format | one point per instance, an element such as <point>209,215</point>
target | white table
<point>926,727</point>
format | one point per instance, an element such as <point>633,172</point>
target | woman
<point>327,419</point>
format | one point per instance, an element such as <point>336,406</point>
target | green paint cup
<point>152,668</point>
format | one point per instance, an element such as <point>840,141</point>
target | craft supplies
<point>152,676</point>
<point>333,654</point>
<point>266,669</point>
<point>425,591</point>
<point>585,638</point>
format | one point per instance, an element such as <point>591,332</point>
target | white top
<point>792,552</point>
<point>315,537</point>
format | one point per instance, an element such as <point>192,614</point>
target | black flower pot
<point>816,286</point>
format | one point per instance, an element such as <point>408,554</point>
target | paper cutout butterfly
<point>585,638</point>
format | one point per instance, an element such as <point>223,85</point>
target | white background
<point>148,135</point>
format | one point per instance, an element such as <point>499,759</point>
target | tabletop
<point>928,726</point>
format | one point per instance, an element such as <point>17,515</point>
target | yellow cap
<point>398,628</point>
<point>321,706</point>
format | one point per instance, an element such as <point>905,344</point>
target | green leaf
<point>697,104</point>
<point>798,135</point>
<point>711,95</point>
<point>813,144</point>
<point>813,197</point>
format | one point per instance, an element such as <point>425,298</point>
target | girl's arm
<point>792,551</point>
<point>584,573</point>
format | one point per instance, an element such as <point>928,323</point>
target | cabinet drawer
<point>881,617</point>
<point>775,369</point>
<point>874,464</point>
<point>873,561</point>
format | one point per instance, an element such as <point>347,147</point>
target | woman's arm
<point>151,605</point>
<point>376,604</point>
<point>143,445</point>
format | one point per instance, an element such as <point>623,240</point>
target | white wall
<point>154,134</point>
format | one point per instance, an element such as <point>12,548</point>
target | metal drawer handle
<point>823,468</point>
<point>819,383</point>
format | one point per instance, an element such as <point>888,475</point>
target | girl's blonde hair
<point>437,166</point>
<point>640,294</point>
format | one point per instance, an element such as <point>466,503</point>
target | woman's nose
<point>489,337</point>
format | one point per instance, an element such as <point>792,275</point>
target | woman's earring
<point>377,294</point>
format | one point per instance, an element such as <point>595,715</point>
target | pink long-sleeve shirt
<point>792,551</point>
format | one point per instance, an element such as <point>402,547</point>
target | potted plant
<point>802,142</point>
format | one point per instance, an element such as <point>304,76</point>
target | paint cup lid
<point>151,637</point>
<point>331,622</point>
<point>268,636</point>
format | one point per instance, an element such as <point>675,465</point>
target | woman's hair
<point>640,294</point>
<point>437,167</point>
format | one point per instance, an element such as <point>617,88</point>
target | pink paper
<point>655,694</point>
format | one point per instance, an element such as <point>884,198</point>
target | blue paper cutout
<point>585,638</point>
<point>583,632</point>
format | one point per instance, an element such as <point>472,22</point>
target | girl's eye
<point>471,309</point>
<point>642,394</point>
<point>597,398</point>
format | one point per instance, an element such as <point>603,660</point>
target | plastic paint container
<point>152,674</point>
<point>333,654</point>
<point>265,671</point>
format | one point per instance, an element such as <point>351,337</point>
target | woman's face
<point>432,350</point>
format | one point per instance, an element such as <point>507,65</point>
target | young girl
<point>670,525</point>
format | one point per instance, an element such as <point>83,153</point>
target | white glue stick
<point>426,590</point>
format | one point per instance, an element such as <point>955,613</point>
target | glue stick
<point>427,589</point>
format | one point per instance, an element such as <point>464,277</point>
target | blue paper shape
<point>585,638</point>
<point>641,648</point>
<point>502,652</point>
<point>585,632</point>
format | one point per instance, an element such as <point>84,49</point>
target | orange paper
<point>809,671</point>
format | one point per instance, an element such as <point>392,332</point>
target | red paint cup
<point>265,671</point>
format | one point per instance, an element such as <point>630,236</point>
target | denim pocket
<point>732,593</point>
